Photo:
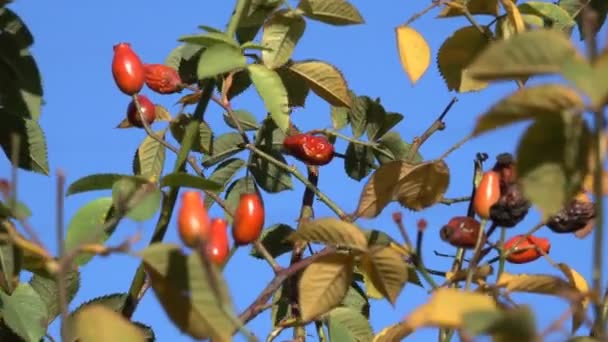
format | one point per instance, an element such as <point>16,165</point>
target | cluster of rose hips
<point>196,229</point>
<point>130,74</point>
<point>499,198</point>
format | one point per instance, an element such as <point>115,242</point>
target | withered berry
<point>511,208</point>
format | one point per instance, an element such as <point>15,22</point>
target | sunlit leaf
<point>269,85</point>
<point>100,181</point>
<point>324,284</point>
<point>280,35</point>
<point>84,326</point>
<point>247,120</point>
<point>150,157</point>
<point>24,312</point>
<point>218,59</point>
<point>46,286</point>
<point>140,208</point>
<point>392,333</point>
<point>209,39</point>
<point>32,142</point>
<point>346,324</point>
<point>184,179</point>
<point>489,7</point>
<point>332,231</point>
<point>223,173</point>
<point>578,282</point>
<point>224,147</point>
<point>334,12</point>
<point>85,226</point>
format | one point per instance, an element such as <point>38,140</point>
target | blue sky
<point>73,48</point>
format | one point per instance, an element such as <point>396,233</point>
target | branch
<point>259,304</point>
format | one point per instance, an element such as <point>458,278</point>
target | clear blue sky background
<point>73,48</point>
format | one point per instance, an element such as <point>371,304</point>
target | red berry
<point>248,219</point>
<point>127,69</point>
<point>486,194</point>
<point>162,79</point>
<point>526,251</point>
<point>313,150</point>
<point>218,246</point>
<point>147,108</point>
<point>193,223</point>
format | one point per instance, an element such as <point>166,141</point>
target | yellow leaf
<point>514,15</point>
<point>447,307</point>
<point>370,290</point>
<point>414,52</point>
<point>578,282</point>
<point>481,273</point>
<point>392,333</point>
<point>533,283</point>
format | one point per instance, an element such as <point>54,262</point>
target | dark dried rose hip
<point>573,217</point>
<point>461,231</point>
<point>511,208</point>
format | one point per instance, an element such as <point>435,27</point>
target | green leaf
<point>394,149</point>
<point>456,54</point>
<point>552,160</point>
<point>184,179</point>
<point>375,118</point>
<point>11,262</point>
<point>205,137</point>
<point>84,326</point>
<point>346,324</point>
<point>390,121</point>
<point>13,27</point>
<point>325,80</point>
<point>356,299</point>
<point>559,18</point>
<point>46,287</point>
<point>324,284</point>
<point>223,173</point>
<point>358,161</point>
<point>148,203</point>
<point>269,135</point>
<point>332,231</point>
<point>32,143</point>
<point>184,59</point>
<point>339,117</point>
<point>100,181</point>
<point>589,78</point>
<point>209,39</point>
<point>529,103</point>
<point>234,191</point>
<point>269,85</point>
<point>269,176</point>
<point>24,312</point>
<point>177,127</point>
<point>386,270</point>
<point>297,88</point>
<point>334,12</point>
<point>190,139</point>
<point>526,54</point>
<point>218,59</point>
<point>281,33</point>
<point>275,239</point>
<point>247,120</point>
<point>183,286</point>
<point>254,46</point>
<point>358,114</point>
<point>85,226</point>
<point>224,146</point>
<point>240,82</point>
<point>150,157</point>
<point>255,14</point>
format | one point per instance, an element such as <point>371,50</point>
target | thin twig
<point>416,16</point>
<point>61,275</point>
<point>437,125</point>
<point>476,255</point>
<point>267,256</point>
<point>456,146</point>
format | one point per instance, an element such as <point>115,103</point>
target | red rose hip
<point>162,79</point>
<point>248,219</point>
<point>127,69</point>
<point>147,109</point>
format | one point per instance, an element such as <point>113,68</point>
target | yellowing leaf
<point>513,15</point>
<point>325,80</point>
<point>578,282</point>
<point>386,270</point>
<point>162,114</point>
<point>455,55</point>
<point>533,283</point>
<point>415,186</point>
<point>454,8</point>
<point>332,231</point>
<point>393,333</point>
<point>447,307</point>
<point>414,52</point>
<point>87,322</point>
<point>481,272</point>
<point>370,290</point>
<point>324,284</point>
